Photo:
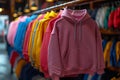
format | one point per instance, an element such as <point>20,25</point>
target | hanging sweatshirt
<point>19,67</point>
<point>106,17</point>
<point>19,38</point>
<point>75,46</point>
<point>104,42</point>
<point>39,36</point>
<point>44,47</point>
<point>117,18</point>
<point>107,53</point>
<point>102,17</point>
<point>118,51</point>
<point>94,12</point>
<point>33,32</point>
<point>111,18</point>
<point>113,54</point>
<point>30,39</point>
<point>27,38</point>
<point>25,45</point>
<point>13,28</point>
<point>13,57</point>
<point>9,33</point>
<point>32,57</point>
<point>98,15</point>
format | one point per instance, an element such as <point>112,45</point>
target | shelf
<point>117,69</point>
<point>109,32</point>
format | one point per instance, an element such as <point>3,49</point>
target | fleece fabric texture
<point>19,38</point>
<point>44,47</point>
<point>75,32</point>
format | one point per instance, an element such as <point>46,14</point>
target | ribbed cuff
<point>54,77</point>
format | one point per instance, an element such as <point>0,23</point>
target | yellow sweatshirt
<point>30,40</point>
<point>107,53</point>
<point>40,34</point>
<point>117,51</point>
<point>31,47</point>
<point>19,67</point>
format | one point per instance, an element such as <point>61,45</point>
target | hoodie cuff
<point>55,77</point>
<point>100,72</point>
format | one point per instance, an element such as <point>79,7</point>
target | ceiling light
<point>1,9</point>
<point>26,10</point>
<point>49,0</point>
<point>33,6</point>
<point>15,14</point>
<point>20,11</point>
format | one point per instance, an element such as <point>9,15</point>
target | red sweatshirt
<point>44,47</point>
<point>26,41</point>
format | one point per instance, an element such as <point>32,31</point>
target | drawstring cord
<point>80,31</point>
<point>75,32</point>
<point>80,28</point>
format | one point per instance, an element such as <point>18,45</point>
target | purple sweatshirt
<point>75,46</point>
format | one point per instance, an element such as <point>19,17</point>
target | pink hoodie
<point>13,28</point>
<point>75,46</point>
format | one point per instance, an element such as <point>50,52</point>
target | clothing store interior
<point>59,40</point>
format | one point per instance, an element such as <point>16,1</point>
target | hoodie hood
<point>75,16</point>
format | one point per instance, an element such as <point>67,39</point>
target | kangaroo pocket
<point>77,59</point>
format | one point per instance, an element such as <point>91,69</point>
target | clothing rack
<point>67,4</point>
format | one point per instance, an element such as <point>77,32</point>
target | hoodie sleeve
<point>99,52</point>
<point>54,55</point>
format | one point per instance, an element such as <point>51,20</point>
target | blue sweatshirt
<point>104,42</point>
<point>20,34</point>
<point>113,61</point>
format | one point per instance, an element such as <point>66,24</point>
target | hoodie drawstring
<point>79,33</point>
<point>75,31</point>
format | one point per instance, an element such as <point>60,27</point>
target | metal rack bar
<point>71,3</point>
